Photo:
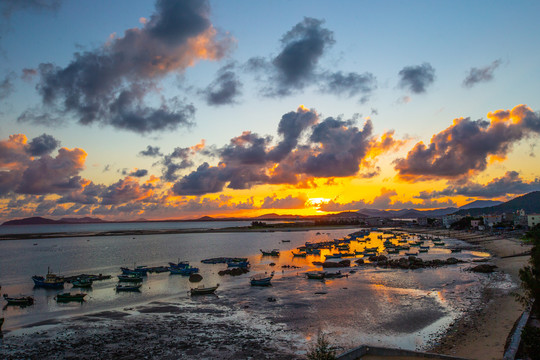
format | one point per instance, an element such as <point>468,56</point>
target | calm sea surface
<point>372,301</point>
<point>166,225</point>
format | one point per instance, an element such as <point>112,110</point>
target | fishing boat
<point>82,283</point>
<point>411,254</point>
<point>238,264</point>
<point>180,264</point>
<point>455,250</point>
<point>273,252</point>
<point>65,297</point>
<point>126,287</point>
<point>333,256</point>
<point>49,281</point>
<point>23,300</point>
<point>299,254</point>
<point>261,279</point>
<point>316,275</point>
<point>139,270</point>
<point>186,271</point>
<point>423,250</point>
<point>130,278</point>
<point>201,290</point>
<point>285,240</point>
<point>313,251</point>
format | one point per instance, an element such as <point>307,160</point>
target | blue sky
<point>438,44</point>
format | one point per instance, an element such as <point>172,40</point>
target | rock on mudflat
<point>484,268</point>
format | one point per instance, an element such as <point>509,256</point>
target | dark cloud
<point>467,146</point>
<point>417,78</point>
<point>48,175</point>
<point>385,201</point>
<point>290,127</point>
<point>331,148</point>
<point>296,64</point>
<point>152,151</point>
<point>478,75</point>
<point>110,84</point>
<point>340,150</point>
<point>124,191</point>
<point>179,159</point>
<point>511,183</point>
<point>6,85</point>
<point>224,89</point>
<point>288,202</point>
<point>139,173</point>
<point>43,144</point>
<point>350,84</point>
<point>8,7</point>
<point>204,180</point>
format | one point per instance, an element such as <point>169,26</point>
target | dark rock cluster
<point>233,271</point>
<point>411,262</point>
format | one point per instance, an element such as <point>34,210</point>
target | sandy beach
<point>482,333</point>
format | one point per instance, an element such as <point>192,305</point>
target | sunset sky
<point>178,109</point>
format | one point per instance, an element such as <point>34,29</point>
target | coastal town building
<point>533,219</point>
<point>492,219</point>
<point>448,220</point>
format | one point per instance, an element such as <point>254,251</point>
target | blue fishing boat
<point>49,281</point>
<point>261,279</point>
<point>82,282</point>
<point>238,264</point>
<point>186,271</point>
<point>179,264</point>
<point>139,270</point>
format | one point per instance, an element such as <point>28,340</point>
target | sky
<point>132,109</point>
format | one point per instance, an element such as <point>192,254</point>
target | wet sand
<point>482,333</point>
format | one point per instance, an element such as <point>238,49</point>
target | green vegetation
<point>530,285</point>
<point>322,350</point>
<point>530,275</point>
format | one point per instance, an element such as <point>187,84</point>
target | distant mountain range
<point>36,220</point>
<point>529,202</point>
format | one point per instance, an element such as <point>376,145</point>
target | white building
<point>448,220</point>
<point>533,219</point>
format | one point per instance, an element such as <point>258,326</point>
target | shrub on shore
<point>322,350</point>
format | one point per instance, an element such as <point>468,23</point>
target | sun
<point>317,202</point>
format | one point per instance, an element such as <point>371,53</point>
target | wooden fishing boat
<point>273,252</point>
<point>65,297</point>
<point>455,250</point>
<point>261,279</point>
<point>201,290</point>
<point>23,300</point>
<point>317,275</point>
<point>299,254</point>
<point>126,287</point>
<point>49,281</point>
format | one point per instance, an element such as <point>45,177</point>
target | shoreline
<point>482,333</point>
<point>37,236</point>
